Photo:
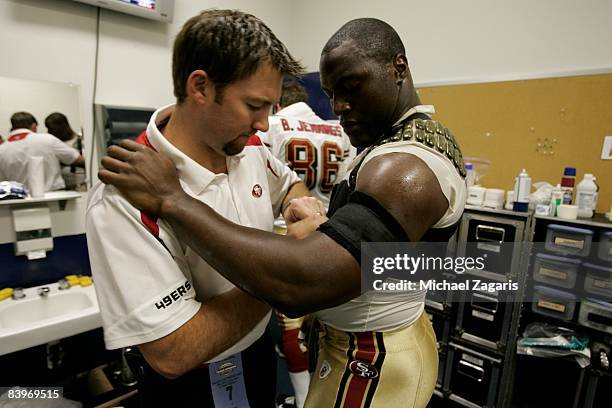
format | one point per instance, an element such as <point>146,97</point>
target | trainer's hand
<point>302,208</point>
<point>146,178</point>
<point>303,228</point>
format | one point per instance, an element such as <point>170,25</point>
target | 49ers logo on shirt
<point>173,296</point>
<point>257,191</point>
<point>363,370</point>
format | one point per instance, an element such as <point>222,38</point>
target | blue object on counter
<point>10,190</point>
<point>520,207</point>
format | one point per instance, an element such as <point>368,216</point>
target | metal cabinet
<point>472,376</point>
<point>499,239</point>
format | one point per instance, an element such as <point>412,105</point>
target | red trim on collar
<point>254,140</point>
<point>18,136</point>
<point>143,139</point>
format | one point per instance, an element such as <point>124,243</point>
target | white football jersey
<point>317,150</point>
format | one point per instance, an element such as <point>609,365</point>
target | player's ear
<point>400,65</point>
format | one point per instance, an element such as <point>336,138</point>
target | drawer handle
<point>484,299</point>
<point>490,234</point>
<point>471,370</point>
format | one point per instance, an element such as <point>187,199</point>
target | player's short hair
<point>57,124</point>
<point>22,120</point>
<point>374,38</point>
<point>229,45</point>
<point>293,92</point>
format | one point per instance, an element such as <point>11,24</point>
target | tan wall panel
<point>504,121</point>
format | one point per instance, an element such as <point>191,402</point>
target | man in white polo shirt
<point>23,142</point>
<point>154,291</point>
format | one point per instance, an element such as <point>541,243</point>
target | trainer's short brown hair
<point>229,45</point>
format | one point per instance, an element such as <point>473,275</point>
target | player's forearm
<point>295,277</point>
<point>219,324</point>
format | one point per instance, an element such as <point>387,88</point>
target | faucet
<point>63,284</point>
<point>43,292</point>
<point>18,294</point>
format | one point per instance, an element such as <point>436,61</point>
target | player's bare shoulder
<point>406,187</point>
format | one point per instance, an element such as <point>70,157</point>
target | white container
<point>542,209</point>
<point>476,195</point>
<point>586,196</point>
<point>36,176</point>
<point>567,211</point>
<point>522,187</point>
<point>510,200</point>
<point>494,198</point>
<point>469,176</point>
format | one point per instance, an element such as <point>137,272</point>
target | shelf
<point>48,197</point>
<point>499,212</point>
<point>598,220</point>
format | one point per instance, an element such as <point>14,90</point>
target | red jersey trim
<point>149,221</point>
<point>143,139</point>
<point>254,140</point>
<point>19,136</point>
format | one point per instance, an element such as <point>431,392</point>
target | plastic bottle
<point>567,183</point>
<point>596,194</point>
<point>522,188</point>
<point>586,196</point>
<point>469,177</point>
<point>556,199</point>
<point>509,200</point>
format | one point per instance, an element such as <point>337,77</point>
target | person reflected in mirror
<point>57,124</point>
<point>23,142</point>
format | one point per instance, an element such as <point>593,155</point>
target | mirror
<point>41,98</point>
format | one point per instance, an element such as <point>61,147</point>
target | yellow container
<point>85,281</point>
<point>6,293</point>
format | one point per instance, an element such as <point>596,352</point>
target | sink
<point>35,320</point>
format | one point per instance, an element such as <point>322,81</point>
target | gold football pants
<point>375,369</point>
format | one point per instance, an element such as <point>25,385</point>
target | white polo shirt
<point>148,282</point>
<point>22,144</point>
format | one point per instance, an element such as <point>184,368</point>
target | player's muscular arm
<point>220,323</point>
<point>296,277</point>
<point>407,188</point>
<point>301,276</point>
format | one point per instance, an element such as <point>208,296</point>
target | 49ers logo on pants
<point>257,191</point>
<point>363,370</point>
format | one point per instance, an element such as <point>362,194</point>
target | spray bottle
<point>522,188</point>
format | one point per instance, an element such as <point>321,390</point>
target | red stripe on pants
<point>366,352</point>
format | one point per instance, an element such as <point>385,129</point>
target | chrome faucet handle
<point>44,291</point>
<point>604,360</point>
<point>18,294</point>
<point>63,284</point>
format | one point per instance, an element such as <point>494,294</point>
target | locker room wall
<point>504,122</point>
